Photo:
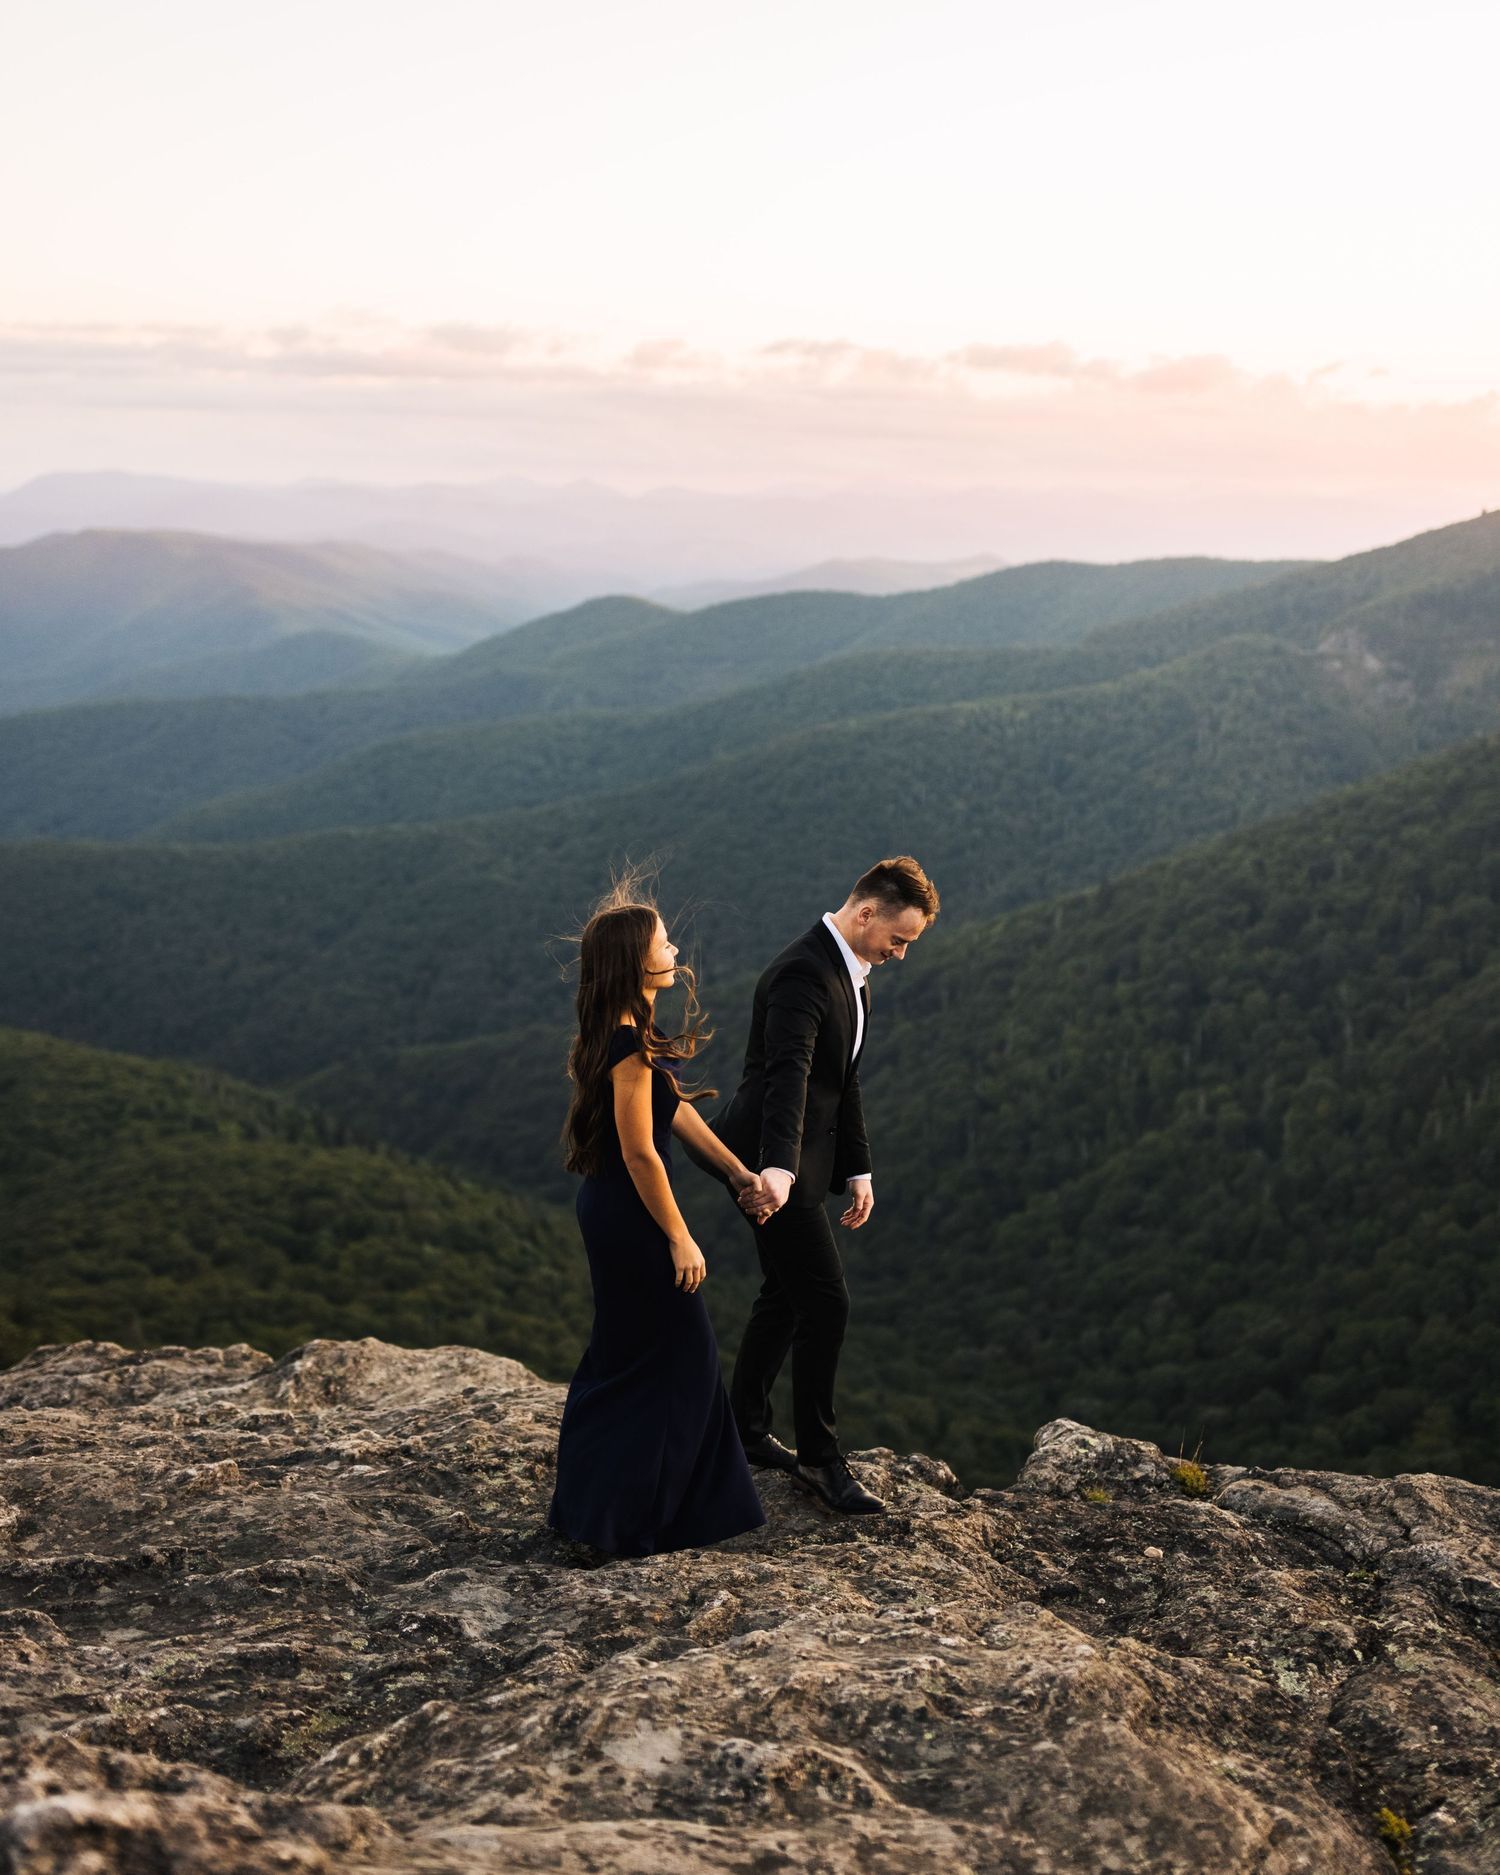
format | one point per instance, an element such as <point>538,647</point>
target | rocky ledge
<point>303,1616</point>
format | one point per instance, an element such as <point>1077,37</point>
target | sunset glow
<point>1233,274</point>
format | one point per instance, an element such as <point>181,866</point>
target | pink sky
<point>1091,455</point>
<point>1179,277</point>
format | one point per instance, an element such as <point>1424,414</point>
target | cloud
<point>1033,418</point>
<point>671,357</point>
<point>1188,376</point>
<point>1053,360</point>
<point>354,346</point>
<point>361,347</point>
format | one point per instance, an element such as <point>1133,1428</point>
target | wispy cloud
<point>364,348</point>
<point>359,349</point>
<point>1167,437</point>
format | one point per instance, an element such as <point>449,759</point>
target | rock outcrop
<point>304,1616</point>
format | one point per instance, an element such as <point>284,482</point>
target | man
<point>796,1117</point>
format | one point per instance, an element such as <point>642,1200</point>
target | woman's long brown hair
<point>612,954</point>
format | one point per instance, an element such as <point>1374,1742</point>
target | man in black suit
<point>797,1118</point>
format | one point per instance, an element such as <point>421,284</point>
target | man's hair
<point>899,881</point>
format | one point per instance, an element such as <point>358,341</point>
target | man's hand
<point>753,1199</point>
<point>768,1194</point>
<point>861,1203</point>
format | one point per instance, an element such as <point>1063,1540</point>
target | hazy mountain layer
<point>588,539</point>
<point>620,652</point>
<point>873,576</point>
<point>117,772</point>
<point>1412,631</point>
<point>117,613</point>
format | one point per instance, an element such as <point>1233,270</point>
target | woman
<point>648,1456</point>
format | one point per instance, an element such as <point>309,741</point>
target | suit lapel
<point>834,957</point>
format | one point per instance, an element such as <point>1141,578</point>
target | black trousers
<point>803,1306</point>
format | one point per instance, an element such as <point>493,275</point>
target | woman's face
<point>661,961</point>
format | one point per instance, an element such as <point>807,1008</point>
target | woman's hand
<point>687,1260</point>
<point>751,1195</point>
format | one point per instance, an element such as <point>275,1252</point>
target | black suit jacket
<point>798,1105</point>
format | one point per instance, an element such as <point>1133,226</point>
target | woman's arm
<point>705,1148</point>
<point>632,1089</point>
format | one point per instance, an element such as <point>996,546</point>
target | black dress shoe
<point>768,1450</point>
<point>836,1485</point>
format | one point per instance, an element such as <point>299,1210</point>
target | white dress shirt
<point>858,971</point>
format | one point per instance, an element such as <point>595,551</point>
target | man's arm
<point>852,1159</point>
<point>853,1156</point>
<point>796,1004</point>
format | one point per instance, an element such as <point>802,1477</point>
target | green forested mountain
<point>113,770</point>
<point>147,1202</point>
<point>1204,1153</point>
<point>1041,745</point>
<point>1199,1149</point>
<point>111,612</point>
<point>624,653</point>
<point>279,958</point>
<point>118,772</point>
<point>1212,1151</point>
<point>1412,632</point>
<point>614,653</point>
<point>1398,591</point>
<point>308,660</point>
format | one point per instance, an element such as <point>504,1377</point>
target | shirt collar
<point>857,967</point>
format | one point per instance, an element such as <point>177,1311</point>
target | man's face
<point>883,932</point>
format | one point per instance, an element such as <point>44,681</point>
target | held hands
<point>861,1203</point>
<point>759,1197</point>
<point>753,1199</point>
<point>687,1260</point>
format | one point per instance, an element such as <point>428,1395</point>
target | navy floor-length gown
<point>648,1455</point>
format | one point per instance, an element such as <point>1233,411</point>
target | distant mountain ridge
<point>115,613</point>
<point>581,539</point>
<point>874,577</point>
<point>122,770</point>
<point>612,651</point>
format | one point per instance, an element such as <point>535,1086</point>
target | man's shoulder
<point>807,955</point>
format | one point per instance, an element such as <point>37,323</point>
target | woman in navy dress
<point>648,1455</point>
